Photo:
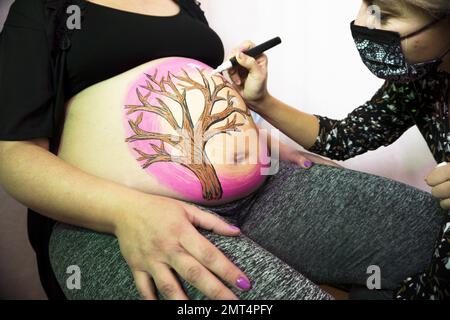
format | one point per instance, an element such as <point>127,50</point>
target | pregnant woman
<point>158,160</point>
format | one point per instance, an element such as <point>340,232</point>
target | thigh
<point>105,274</point>
<point>331,224</point>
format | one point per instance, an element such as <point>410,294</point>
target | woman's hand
<point>304,159</point>
<point>250,77</point>
<point>158,234</point>
<point>439,181</point>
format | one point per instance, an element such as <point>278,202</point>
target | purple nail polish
<point>308,164</point>
<point>243,283</point>
<point>234,228</point>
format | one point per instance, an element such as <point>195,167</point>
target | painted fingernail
<point>234,228</point>
<point>308,164</point>
<point>243,284</point>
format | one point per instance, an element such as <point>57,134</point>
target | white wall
<point>318,69</point>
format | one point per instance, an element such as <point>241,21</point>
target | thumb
<point>210,221</point>
<point>247,62</point>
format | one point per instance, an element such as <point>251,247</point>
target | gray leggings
<point>324,225</point>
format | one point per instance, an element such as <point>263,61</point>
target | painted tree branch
<point>229,127</point>
<point>162,110</point>
<point>211,96</point>
<point>193,155</point>
<point>161,155</point>
<point>175,95</point>
<point>227,112</point>
<point>140,134</point>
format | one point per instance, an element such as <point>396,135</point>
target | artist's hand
<point>439,181</point>
<point>159,234</point>
<point>250,77</point>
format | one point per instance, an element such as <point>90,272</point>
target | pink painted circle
<point>177,177</point>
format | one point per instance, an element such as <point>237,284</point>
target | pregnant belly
<point>169,128</point>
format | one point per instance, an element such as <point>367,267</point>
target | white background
<point>318,69</point>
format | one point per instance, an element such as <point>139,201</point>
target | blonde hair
<point>437,8</point>
<point>434,8</point>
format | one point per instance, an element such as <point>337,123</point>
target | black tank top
<point>112,41</point>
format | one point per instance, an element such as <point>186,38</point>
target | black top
<point>110,42</point>
<point>381,121</point>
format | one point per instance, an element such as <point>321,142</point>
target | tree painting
<point>191,138</point>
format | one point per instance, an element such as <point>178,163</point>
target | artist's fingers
<point>244,46</point>
<point>439,175</point>
<point>234,75</point>
<point>441,191</point>
<point>251,65</point>
<point>263,61</point>
<point>445,204</point>
<point>237,74</point>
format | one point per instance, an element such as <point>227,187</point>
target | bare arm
<point>379,122</point>
<point>304,130</point>
<point>250,79</point>
<point>291,154</point>
<point>49,185</point>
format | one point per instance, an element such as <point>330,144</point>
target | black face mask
<point>381,51</point>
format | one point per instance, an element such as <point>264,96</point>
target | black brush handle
<point>258,50</point>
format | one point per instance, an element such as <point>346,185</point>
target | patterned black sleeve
<point>379,122</point>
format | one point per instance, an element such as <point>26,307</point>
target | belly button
<point>240,157</point>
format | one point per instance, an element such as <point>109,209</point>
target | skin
<point>406,19</point>
<point>152,242</point>
<point>213,176</point>
<point>251,79</point>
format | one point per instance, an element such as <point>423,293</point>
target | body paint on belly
<point>160,125</point>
